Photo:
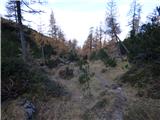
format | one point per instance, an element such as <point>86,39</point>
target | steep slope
<point>23,84</point>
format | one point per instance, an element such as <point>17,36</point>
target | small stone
<point>30,112</point>
<point>29,109</point>
<point>114,86</point>
<point>106,86</point>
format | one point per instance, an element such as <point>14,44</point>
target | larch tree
<point>42,44</point>
<point>11,10</point>
<point>104,44</point>
<point>74,44</point>
<point>14,9</point>
<point>86,47</point>
<point>100,36</point>
<point>53,29</point>
<point>60,35</point>
<point>90,39</point>
<point>89,43</point>
<point>134,12</point>
<point>96,39</point>
<point>112,26</point>
<point>23,41</point>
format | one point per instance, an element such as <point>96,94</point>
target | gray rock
<point>29,112</point>
<point>29,108</point>
<point>114,86</point>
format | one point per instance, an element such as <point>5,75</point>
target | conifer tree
<point>53,29</point>
<point>112,26</point>
<point>11,10</point>
<point>134,12</point>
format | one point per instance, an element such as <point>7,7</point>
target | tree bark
<point>43,57</point>
<point>23,42</point>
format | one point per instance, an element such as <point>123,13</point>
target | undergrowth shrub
<point>10,45</point>
<point>143,110</point>
<point>144,77</point>
<point>15,77</point>
<point>19,78</point>
<point>52,63</point>
<point>93,56</point>
<point>85,77</point>
<point>99,55</point>
<point>104,57</point>
<point>110,62</point>
<point>102,54</point>
<point>72,56</point>
<point>66,73</point>
<point>81,62</point>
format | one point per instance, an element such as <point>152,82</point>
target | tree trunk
<point>43,57</point>
<point>23,42</point>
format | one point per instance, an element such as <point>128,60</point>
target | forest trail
<point>106,101</point>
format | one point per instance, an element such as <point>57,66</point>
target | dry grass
<point>143,109</point>
<point>99,105</point>
<point>73,108</point>
<point>12,111</point>
<point>59,109</point>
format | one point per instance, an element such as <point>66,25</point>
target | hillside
<point>70,86</point>
<point>104,92</point>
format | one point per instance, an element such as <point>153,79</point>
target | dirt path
<point>81,107</point>
<point>106,101</point>
<point>111,91</point>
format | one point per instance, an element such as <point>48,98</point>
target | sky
<point>75,17</point>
